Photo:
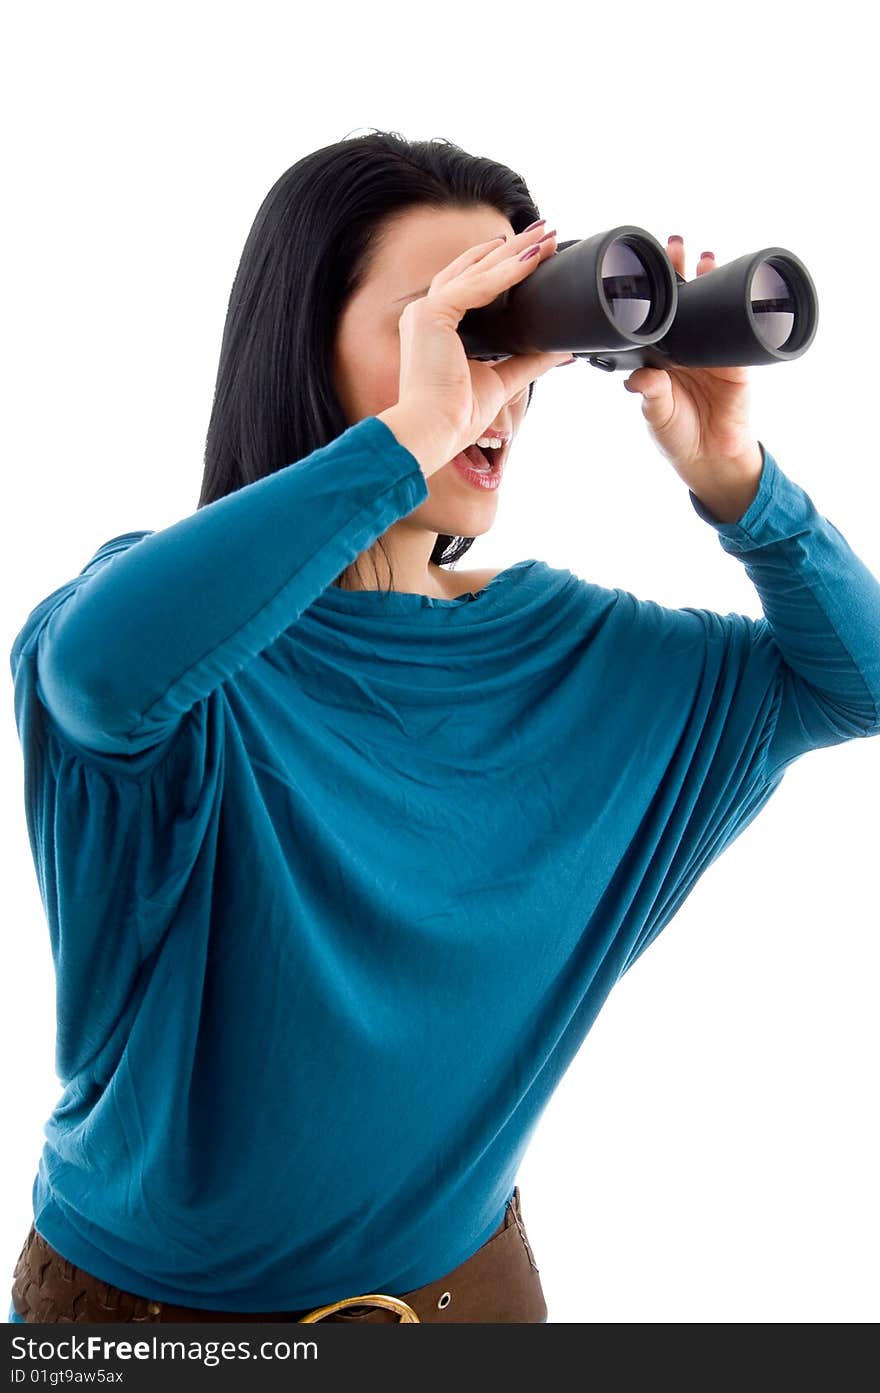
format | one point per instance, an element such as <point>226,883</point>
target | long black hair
<point>308,250</point>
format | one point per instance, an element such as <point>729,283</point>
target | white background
<point>712,1153</point>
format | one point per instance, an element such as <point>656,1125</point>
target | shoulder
<point>475,580</point>
<point>462,582</point>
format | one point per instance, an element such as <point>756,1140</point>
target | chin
<point>460,517</point>
<point>463,522</point>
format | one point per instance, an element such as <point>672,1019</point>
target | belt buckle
<point>373,1298</point>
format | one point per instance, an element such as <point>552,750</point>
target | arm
<point>765,691</point>
<point>130,647</point>
<point>822,609</point>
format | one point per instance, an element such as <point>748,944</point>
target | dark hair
<point>308,250</point>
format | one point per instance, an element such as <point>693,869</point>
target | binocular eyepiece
<point>617,300</point>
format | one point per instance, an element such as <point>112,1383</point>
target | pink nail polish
<point>676,238</point>
<point>534,225</point>
<point>709,254</point>
<point>532,251</point>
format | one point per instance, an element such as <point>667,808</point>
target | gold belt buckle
<point>373,1298</point>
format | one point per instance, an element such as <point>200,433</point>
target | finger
<point>675,252</point>
<point>655,386</point>
<point>516,373</point>
<point>706,263</point>
<point>480,283</point>
<point>652,383</point>
<point>490,252</point>
<point>467,258</point>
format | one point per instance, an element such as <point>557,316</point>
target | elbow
<point>80,695</point>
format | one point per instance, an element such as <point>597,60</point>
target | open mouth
<point>484,459</point>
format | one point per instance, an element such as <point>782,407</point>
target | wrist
<point>410,431</point>
<point>733,487</point>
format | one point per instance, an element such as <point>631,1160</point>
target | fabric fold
<point>337,881</point>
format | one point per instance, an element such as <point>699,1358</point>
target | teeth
<point>490,441</point>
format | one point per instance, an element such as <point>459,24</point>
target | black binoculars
<point>617,300</point>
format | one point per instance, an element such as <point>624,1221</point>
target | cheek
<point>377,375</point>
<point>386,375</point>
<point>367,368</point>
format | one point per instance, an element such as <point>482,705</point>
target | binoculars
<point>617,300</point>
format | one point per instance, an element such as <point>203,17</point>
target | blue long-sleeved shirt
<point>337,881</point>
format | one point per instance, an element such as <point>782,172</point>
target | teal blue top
<point>337,881</point>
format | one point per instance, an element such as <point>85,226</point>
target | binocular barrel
<point>616,300</point>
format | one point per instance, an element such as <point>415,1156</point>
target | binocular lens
<point>627,286</point>
<point>773,305</point>
<point>616,299</point>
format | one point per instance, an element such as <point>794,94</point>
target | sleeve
<point>822,611</point>
<point>149,629</point>
<point>763,692</point>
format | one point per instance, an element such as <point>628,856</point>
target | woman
<point>342,850</point>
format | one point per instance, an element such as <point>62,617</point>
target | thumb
<point>653,383</point>
<point>658,402</point>
<point>517,372</point>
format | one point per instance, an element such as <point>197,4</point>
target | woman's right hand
<point>446,400</point>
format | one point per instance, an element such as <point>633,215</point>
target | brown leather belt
<point>499,1282</point>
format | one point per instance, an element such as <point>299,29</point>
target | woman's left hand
<point>698,418</point>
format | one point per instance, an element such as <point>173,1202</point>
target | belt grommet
<point>444,1300</point>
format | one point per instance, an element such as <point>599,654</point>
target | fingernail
<point>566,363</point>
<point>675,238</point>
<point>544,238</point>
<point>709,254</point>
<point>532,251</point>
<point>534,224</point>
